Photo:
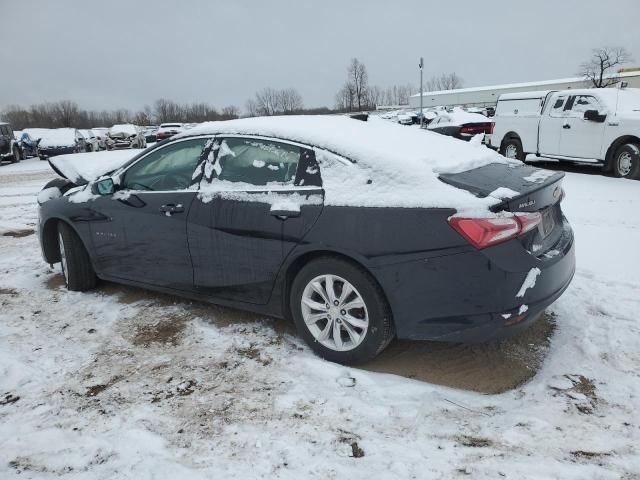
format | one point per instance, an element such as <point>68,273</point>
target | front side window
<point>257,162</point>
<point>582,103</point>
<point>168,168</point>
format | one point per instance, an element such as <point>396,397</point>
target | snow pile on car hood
<point>394,165</point>
<point>125,129</point>
<point>81,168</point>
<point>58,137</point>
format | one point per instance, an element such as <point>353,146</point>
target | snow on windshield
<point>394,165</point>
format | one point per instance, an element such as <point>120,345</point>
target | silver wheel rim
<point>511,151</point>
<point>335,313</point>
<point>624,163</point>
<point>63,258</point>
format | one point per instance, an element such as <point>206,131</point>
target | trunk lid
<point>520,189</point>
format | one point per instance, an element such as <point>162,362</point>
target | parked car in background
<point>167,130</point>
<point>597,126</point>
<point>127,136</point>
<point>405,119</point>
<point>150,134</point>
<point>306,217</point>
<point>28,144</point>
<point>102,135</point>
<point>460,124</point>
<point>60,141</point>
<point>9,147</point>
<point>91,141</point>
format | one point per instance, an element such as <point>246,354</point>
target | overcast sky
<point>125,54</point>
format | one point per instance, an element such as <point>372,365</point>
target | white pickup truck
<point>598,126</point>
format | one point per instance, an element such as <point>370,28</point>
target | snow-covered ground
<point>121,383</point>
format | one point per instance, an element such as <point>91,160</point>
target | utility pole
<point>421,113</point>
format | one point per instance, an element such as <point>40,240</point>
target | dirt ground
<point>490,368</point>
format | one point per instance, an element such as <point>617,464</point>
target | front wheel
<point>512,148</point>
<point>16,155</point>
<point>340,311</point>
<point>626,162</point>
<point>76,265</point>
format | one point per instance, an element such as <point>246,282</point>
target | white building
<point>488,96</point>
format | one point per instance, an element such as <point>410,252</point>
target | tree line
<point>67,113</point>
<point>356,94</point>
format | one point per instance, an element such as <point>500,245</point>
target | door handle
<point>284,214</point>
<point>566,126</point>
<point>171,208</point>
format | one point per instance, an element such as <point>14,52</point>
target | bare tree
<point>444,81</point>
<point>289,101</point>
<point>359,79</point>
<point>230,112</point>
<point>267,101</point>
<point>599,68</point>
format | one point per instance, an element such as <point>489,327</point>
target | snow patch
<point>529,281</point>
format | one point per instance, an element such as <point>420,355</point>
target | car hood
<point>82,168</point>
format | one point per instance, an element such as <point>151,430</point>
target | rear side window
<point>557,105</point>
<point>257,162</point>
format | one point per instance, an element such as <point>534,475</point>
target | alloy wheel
<point>334,312</point>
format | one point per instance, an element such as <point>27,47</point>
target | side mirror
<point>594,116</point>
<point>105,187</point>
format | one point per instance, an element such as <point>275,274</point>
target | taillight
<point>475,128</point>
<point>485,232</point>
<point>491,127</point>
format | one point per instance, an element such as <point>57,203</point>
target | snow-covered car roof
<point>394,165</point>
<point>126,128</point>
<point>56,137</point>
<point>460,117</point>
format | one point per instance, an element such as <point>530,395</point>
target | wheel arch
<point>49,238</point>
<point>617,143</point>
<point>509,136</point>
<point>294,267</point>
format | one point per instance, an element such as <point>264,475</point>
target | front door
<point>582,138</point>
<point>256,188</point>
<point>142,234</point>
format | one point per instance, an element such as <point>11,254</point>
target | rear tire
<point>626,162</point>
<point>375,312</point>
<point>77,270</point>
<point>512,148</point>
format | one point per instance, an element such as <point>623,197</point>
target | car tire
<point>626,162</point>
<point>16,155</point>
<point>77,270</point>
<point>512,148</point>
<point>373,327</point>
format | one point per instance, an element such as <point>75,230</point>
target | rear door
<point>581,138</point>
<point>258,199</point>
<point>550,130</point>
<point>140,233</point>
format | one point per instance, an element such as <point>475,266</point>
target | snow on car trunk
<point>58,137</point>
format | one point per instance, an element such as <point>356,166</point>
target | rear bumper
<point>52,152</point>
<point>471,296</point>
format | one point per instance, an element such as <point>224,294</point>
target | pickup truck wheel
<point>512,148</point>
<point>626,162</point>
